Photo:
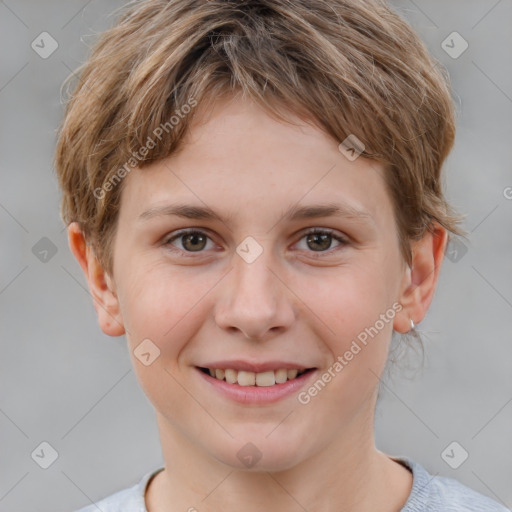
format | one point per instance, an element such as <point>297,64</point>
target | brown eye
<point>189,241</point>
<point>320,240</point>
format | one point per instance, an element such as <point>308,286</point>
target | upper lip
<point>256,367</point>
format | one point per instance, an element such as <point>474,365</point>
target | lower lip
<point>258,394</point>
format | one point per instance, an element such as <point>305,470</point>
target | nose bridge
<point>254,299</point>
<point>255,278</point>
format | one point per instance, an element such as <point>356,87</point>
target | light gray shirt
<point>428,494</point>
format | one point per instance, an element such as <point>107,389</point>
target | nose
<point>254,299</point>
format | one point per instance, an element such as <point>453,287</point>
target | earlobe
<point>420,279</point>
<point>100,284</point>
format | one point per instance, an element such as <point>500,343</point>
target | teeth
<point>246,378</point>
<point>281,376</point>
<point>265,379</point>
<point>291,374</point>
<point>262,379</point>
<point>231,376</point>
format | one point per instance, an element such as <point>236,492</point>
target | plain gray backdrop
<point>65,383</point>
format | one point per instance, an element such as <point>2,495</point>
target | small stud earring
<point>412,325</point>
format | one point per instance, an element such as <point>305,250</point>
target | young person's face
<point>301,302</point>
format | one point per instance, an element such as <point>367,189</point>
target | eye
<point>320,240</point>
<point>190,240</point>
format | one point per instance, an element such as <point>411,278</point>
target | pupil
<point>324,237</point>
<point>194,237</point>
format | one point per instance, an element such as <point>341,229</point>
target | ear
<point>420,279</point>
<point>101,285</point>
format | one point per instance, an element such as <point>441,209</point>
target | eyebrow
<point>295,213</point>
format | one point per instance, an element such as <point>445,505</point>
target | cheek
<point>357,341</point>
<point>348,300</point>
<point>350,305</point>
<point>163,306</point>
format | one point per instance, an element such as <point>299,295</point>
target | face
<point>250,287</point>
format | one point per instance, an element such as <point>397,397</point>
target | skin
<point>206,305</point>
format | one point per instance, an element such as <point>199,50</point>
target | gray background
<point>64,382</point>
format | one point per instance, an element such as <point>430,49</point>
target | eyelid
<point>185,231</point>
<point>335,234</point>
<point>182,232</point>
<point>342,239</point>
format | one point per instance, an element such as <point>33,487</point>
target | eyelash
<point>314,231</point>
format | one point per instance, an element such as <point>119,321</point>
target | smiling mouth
<point>261,379</point>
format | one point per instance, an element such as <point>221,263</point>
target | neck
<point>349,474</point>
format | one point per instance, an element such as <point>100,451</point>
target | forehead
<point>237,158</point>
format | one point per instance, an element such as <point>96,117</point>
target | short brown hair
<point>354,67</point>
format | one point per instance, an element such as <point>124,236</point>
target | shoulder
<point>126,500</point>
<point>130,499</point>
<point>451,494</point>
<point>442,494</point>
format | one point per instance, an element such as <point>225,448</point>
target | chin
<point>261,452</point>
